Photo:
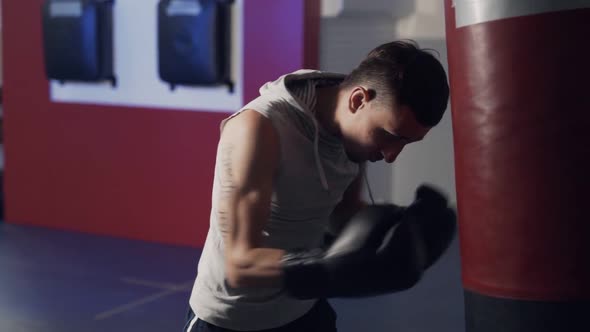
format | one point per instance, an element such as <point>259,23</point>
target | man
<point>288,169</point>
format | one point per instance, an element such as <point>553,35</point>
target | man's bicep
<point>249,154</point>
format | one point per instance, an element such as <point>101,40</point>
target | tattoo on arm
<point>227,189</point>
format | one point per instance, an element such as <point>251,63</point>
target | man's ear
<point>357,99</point>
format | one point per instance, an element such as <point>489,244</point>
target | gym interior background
<point>107,188</point>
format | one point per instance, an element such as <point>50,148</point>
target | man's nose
<point>391,153</point>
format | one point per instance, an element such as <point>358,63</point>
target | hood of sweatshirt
<point>283,88</point>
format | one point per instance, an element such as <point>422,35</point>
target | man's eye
<point>390,137</point>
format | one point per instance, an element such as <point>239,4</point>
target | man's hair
<point>409,74</point>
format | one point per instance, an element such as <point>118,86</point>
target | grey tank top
<point>300,208</point>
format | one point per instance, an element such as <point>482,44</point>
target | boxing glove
<point>383,249</point>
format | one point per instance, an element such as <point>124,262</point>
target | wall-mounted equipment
<point>78,40</point>
<point>194,38</point>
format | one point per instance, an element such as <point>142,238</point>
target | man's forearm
<point>258,267</point>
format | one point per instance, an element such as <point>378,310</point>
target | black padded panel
<point>194,38</point>
<point>78,40</point>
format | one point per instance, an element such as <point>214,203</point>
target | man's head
<point>394,97</point>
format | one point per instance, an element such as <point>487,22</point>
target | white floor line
<point>169,289</point>
<point>148,283</point>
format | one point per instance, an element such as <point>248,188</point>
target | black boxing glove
<point>354,265</point>
<point>435,221</point>
<point>383,249</point>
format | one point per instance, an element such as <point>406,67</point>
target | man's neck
<point>325,109</point>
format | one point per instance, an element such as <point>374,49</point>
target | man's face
<point>378,130</point>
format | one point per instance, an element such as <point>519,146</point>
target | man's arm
<point>353,266</point>
<point>249,149</point>
<point>383,249</point>
<point>350,204</point>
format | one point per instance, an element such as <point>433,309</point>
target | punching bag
<point>520,95</point>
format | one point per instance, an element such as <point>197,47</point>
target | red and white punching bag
<point>520,94</point>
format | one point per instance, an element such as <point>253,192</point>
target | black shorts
<point>320,318</point>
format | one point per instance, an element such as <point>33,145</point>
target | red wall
<point>128,172</point>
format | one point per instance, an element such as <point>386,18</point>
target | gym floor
<point>58,281</point>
